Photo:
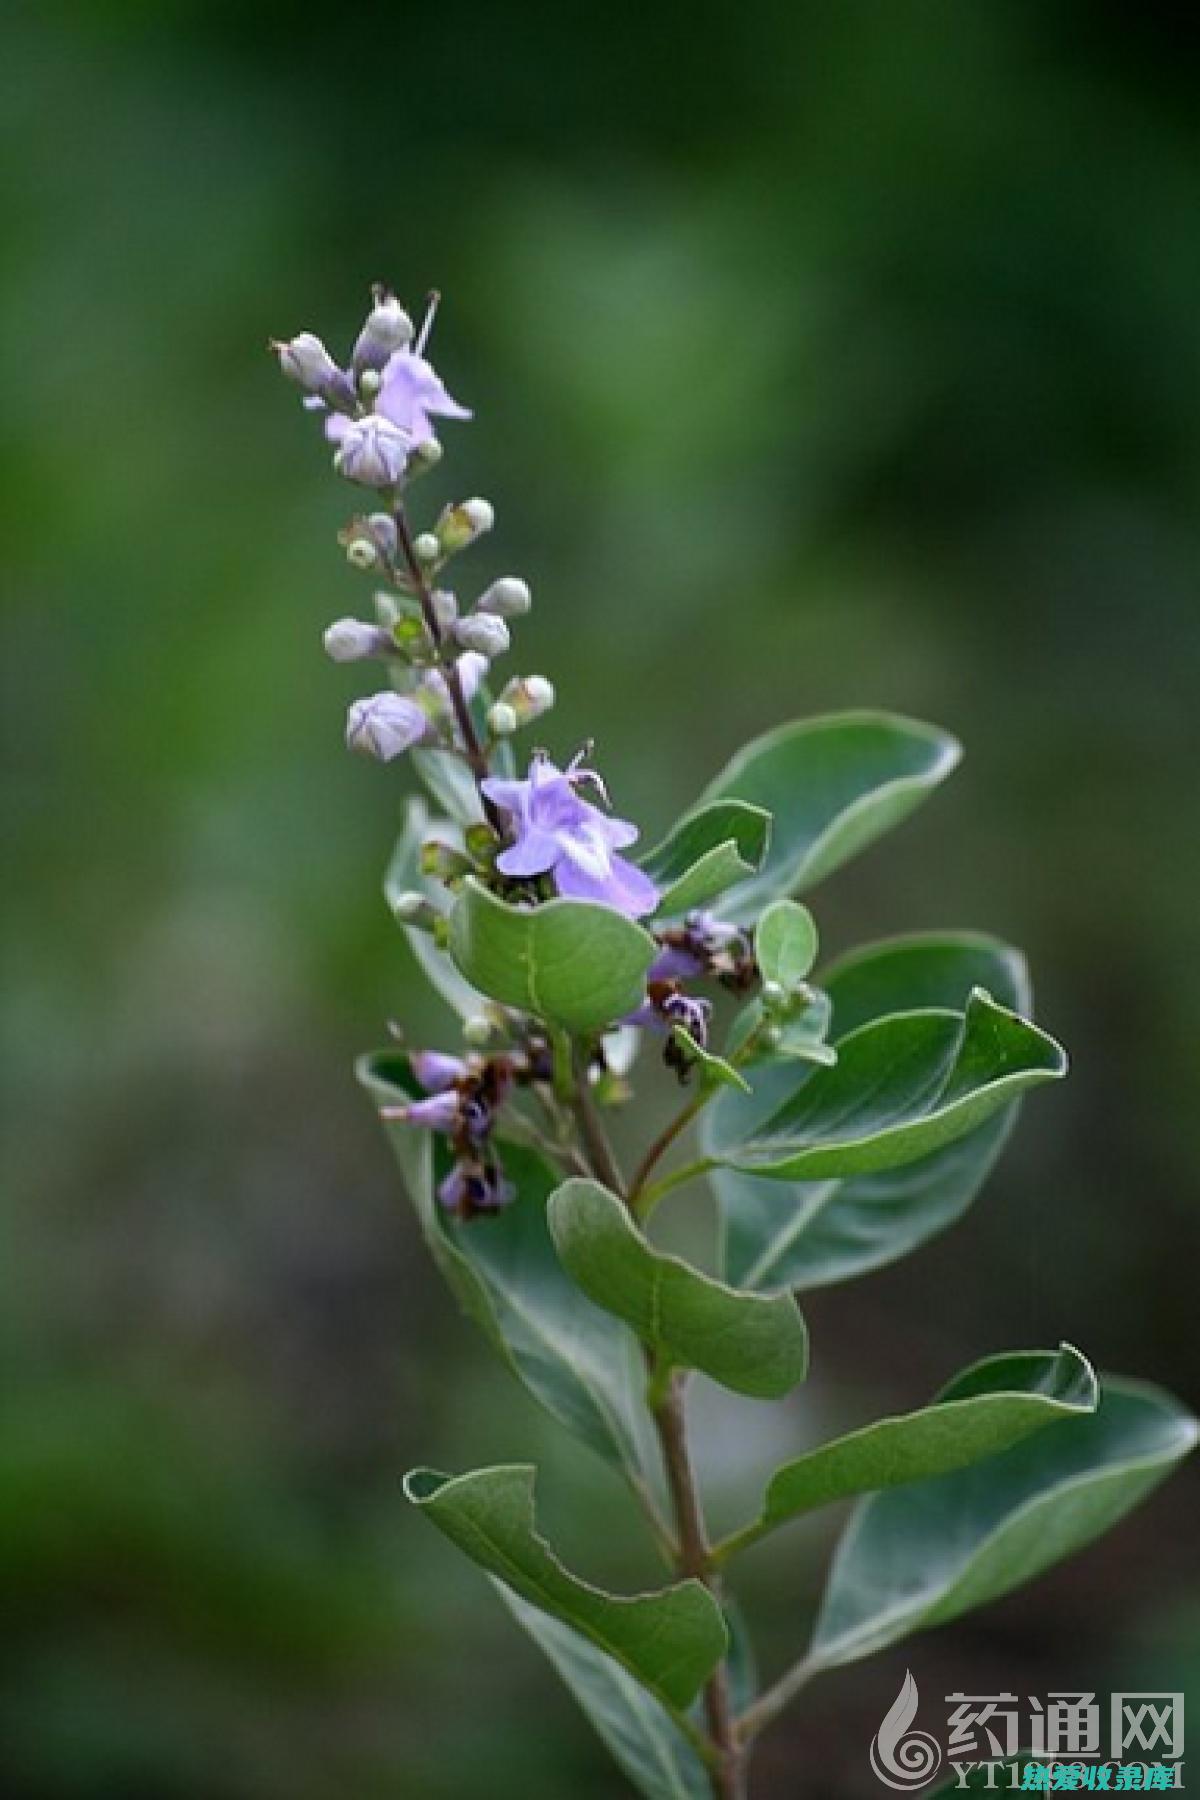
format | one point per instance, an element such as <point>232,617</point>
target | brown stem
<point>600,1151</point>
<point>473,749</point>
<point>728,1774</point>
<point>662,1144</point>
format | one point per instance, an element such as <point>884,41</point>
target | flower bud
<point>387,329</point>
<point>445,608</point>
<point>508,598</point>
<point>384,725</point>
<point>774,995</point>
<point>353,640</point>
<point>481,842</point>
<point>361,553</point>
<point>529,697</point>
<point>436,1071</point>
<point>427,455</point>
<point>502,720</point>
<point>406,905</point>
<point>477,1030</point>
<point>483,632</point>
<point>437,1113</point>
<point>460,525</point>
<point>426,547</point>
<point>306,361</point>
<point>372,452</point>
<point>382,527</point>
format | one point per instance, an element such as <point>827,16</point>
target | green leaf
<point>577,965</point>
<point>578,1362</point>
<point>706,853</point>
<point>814,1233</point>
<point>800,1037</point>
<point>714,1070</point>
<point>670,1640</point>
<point>902,1087</point>
<point>919,1555</point>
<point>785,943</point>
<point>832,785</point>
<point>641,1734</point>
<point>404,876</point>
<point>751,1343</point>
<point>989,1406</point>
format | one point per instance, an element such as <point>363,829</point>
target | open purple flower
<point>411,394</point>
<point>558,833</point>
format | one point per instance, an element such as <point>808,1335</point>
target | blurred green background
<point>822,355</point>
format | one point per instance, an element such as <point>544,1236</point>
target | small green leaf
<point>902,1087</point>
<point>918,1555</point>
<point>706,853</point>
<point>670,1640</point>
<point>832,785</point>
<point>643,1738</point>
<point>989,1406</point>
<point>577,965</point>
<point>785,943</point>
<point>714,1070</point>
<point>404,876</point>
<point>801,1037</point>
<point>578,1362</point>
<point>751,1343</point>
<point>813,1233</point>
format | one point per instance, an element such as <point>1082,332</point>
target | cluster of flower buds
<point>379,411</point>
<point>706,945</point>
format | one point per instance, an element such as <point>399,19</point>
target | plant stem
<point>768,1706</point>
<point>472,748</point>
<point>728,1772</point>
<point>663,1142</point>
<point>650,1196</point>
<point>600,1151</point>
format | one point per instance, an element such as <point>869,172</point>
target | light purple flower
<point>384,725</point>
<point>473,1187</point>
<point>556,832</point>
<point>372,450</point>
<point>412,392</point>
<point>438,1112</point>
<point>436,1071</point>
<point>472,672</point>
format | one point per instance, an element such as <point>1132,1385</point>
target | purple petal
<point>436,1071</point>
<point>533,853</point>
<point>624,888</point>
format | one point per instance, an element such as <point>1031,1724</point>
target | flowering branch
<point>846,1117</point>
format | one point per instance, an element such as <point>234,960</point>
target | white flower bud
<point>407,904</point>
<point>353,640</point>
<point>384,725</point>
<point>306,361</point>
<point>460,525</point>
<point>508,598</point>
<point>426,547</point>
<point>483,632</point>
<point>477,1030</point>
<point>502,720</point>
<point>429,451</point>
<point>372,451</point>
<point>387,328</point>
<point>445,608</point>
<point>369,383</point>
<point>529,696</point>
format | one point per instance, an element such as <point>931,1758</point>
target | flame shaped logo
<point>902,1758</point>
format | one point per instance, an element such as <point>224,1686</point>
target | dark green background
<point>823,355</point>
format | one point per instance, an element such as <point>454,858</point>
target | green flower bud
<point>502,720</point>
<point>460,525</point>
<point>477,1030</point>
<point>427,548</point>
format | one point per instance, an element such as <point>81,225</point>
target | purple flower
<point>438,1112</point>
<point>436,1071</point>
<point>473,1187</point>
<point>372,451</point>
<point>383,725</point>
<point>556,832</point>
<point>412,392</point>
<point>472,671</point>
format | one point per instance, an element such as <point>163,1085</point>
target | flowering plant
<point>840,1118</point>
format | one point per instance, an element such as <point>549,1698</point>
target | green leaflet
<point>918,1555</point>
<point>670,1640</point>
<point>832,785</point>
<point>810,1233</point>
<point>404,875</point>
<point>985,1409</point>
<point>578,1362</point>
<point>707,852</point>
<point>751,1343</point>
<point>577,965</point>
<point>902,1087</point>
<point>642,1736</point>
<point>785,943</point>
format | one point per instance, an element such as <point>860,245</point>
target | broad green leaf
<point>577,965</point>
<point>451,784</point>
<point>706,853</point>
<point>404,876</point>
<point>989,1406</point>
<point>753,1343</point>
<point>643,1738</point>
<point>670,1640</point>
<point>578,1362</point>
<point>918,1555</point>
<point>814,1233</point>
<point>832,785</point>
<point>785,943</point>
<point>714,1070</point>
<point>902,1087</point>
